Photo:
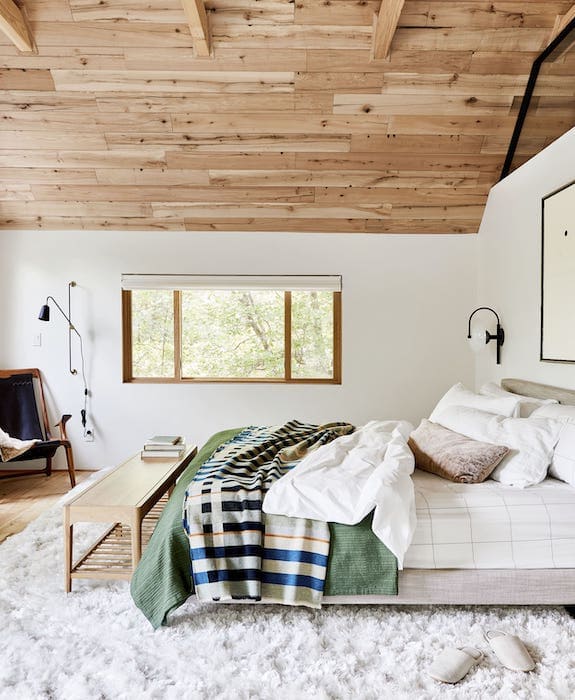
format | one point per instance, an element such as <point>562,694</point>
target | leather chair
<point>23,415</point>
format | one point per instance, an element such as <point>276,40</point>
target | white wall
<point>405,304</point>
<point>510,265</point>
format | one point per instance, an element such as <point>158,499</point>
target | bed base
<point>475,587</point>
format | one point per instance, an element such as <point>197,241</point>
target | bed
<point>479,544</point>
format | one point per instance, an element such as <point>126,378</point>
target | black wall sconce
<point>44,315</point>
<point>485,335</point>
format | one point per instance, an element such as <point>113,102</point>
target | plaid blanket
<point>237,551</point>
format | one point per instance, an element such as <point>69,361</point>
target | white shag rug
<point>95,645</point>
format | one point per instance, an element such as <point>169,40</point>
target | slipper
<point>510,650</point>
<point>454,663</point>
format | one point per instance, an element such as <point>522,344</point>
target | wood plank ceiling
<point>289,125</point>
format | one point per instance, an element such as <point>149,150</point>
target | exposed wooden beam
<point>199,27</point>
<point>385,24</point>
<point>14,26</point>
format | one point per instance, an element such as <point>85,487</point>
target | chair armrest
<point>62,426</point>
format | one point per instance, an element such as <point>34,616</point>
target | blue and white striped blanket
<point>237,551</point>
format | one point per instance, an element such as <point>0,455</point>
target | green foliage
<point>152,333</point>
<point>312,335</point>
<point>232,334</point>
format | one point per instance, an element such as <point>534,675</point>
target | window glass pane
<point>233,334</point>
<point>152,333</point>
<point>312,335</point>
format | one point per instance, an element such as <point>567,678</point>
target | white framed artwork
<point>558,276</point>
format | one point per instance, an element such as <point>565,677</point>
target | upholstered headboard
<point>539,391</point>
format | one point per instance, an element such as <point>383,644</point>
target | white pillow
<point>557,411</point>
<point>563,463</point>
<point>527,404</point>
<point>458,395</point>
<point>531,441</point>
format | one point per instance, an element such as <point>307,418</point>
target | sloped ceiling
<point>289,126</point>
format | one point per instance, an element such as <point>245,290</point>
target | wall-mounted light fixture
<point>481,337</point>
<point>44,315</point>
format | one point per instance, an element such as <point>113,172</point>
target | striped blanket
<point>237,551</point>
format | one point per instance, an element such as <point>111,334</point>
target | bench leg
<point>136,527</point>
<point>570,610</point>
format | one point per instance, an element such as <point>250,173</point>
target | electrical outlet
<point>89,434</point>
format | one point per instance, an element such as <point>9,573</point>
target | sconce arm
<point>481,308</point>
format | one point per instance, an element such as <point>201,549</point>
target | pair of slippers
<point>453,664</point>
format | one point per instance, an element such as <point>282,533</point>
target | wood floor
<point>23,499</point>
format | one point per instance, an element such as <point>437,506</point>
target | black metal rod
<point>528,94</point>
<point>70,285</point>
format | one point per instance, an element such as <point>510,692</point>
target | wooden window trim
<point>178,378</point>
<point>177,335</point>
<point>287,336</point>
<point>127,358</point>
<point>337,338</point>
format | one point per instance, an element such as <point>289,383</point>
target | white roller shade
<point>330,283</point>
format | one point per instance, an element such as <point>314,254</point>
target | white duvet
<point>346,479</point>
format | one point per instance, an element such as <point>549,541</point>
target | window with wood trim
<point>185,328</point>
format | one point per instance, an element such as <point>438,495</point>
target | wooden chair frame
<point>43,415</point>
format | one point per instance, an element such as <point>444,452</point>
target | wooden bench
<point>132,497</point>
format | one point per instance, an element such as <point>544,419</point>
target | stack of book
<point>164,447</point>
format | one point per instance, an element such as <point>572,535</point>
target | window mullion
<point>127,336</point>
<point>287,334</point>
<point>177,334</point>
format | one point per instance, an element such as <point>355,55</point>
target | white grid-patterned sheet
<point>492,526</point>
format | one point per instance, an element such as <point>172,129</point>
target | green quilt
<point>359,564</point>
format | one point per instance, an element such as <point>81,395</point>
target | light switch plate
<point>37,340</point>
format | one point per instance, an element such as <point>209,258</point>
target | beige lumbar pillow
<point>453,456</point>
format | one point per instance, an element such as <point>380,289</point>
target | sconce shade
<point>478,340</point>
<point>44,313</point>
